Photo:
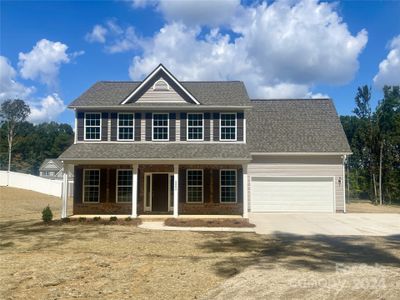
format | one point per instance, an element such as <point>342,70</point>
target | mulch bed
<point>94,221</point>
<point>237,223</point>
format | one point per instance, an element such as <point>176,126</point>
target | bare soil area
<point>98,261</point>
<point>367,207</point>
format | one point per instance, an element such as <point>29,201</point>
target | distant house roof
<point>295,125</point>
<point>154,151</point>
<point>210,93</point>
<point>51,164</point>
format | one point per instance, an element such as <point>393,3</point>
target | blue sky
<point>51,52</point>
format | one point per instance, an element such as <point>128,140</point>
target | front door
<point>160,193</point>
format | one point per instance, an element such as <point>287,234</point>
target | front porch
<point>158,190</point>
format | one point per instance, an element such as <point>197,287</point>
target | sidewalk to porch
<point>160,226</point>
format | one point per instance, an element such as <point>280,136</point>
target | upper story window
<point>228,127</point>
<point>93,126</point>
<point>125,127</point>
<point>160,127</point>
<point>161,85</point>
<point>195,128</point>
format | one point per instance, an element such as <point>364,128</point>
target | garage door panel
<point>303,194</point>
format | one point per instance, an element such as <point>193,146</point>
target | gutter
<point>146,108</point>
<point>299,153</point>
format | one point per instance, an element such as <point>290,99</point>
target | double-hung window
<point>228,127</point>
<point>160,127</point>
<point>91,185</point>
<point>228,186</point>
<point>93,126</point>
<point>125,127</point>
<point>195,128</point>
<point>124,185</point>
<point>194,186</point>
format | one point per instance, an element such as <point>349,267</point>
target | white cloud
<point>195,12</point>
<point>97,35</point>
<point>9,87</point>
<point>43,62</point>
<point>281,50</point>
<point>389,68</point>
<point>47,109</point>
<point>115,38</point>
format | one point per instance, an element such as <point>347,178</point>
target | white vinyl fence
<point>33,183</point>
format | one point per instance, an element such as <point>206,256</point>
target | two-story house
<point>182,147</point>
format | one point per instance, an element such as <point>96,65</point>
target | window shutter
<point>114,125</point>
<point>207,126</point>
<point>104,126</point>
<point>240,126</point>
<point>216,127</point>
<point>172,126</point>
<point>148,126</point>
<point>138,119</point>
<point>81,126</point>
<point>183,126</point>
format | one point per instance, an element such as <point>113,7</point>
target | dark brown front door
<point>160,193</point>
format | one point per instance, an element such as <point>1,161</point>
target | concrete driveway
<point>327,224</point>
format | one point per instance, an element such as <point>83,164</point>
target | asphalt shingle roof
<point>217,93</point>
<point>156,151</point>
<point>303,125</point>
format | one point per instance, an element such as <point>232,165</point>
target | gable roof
<point>295,125</point>
<point>57,163</point>
<point>208,93</point>
<point>159,73</point>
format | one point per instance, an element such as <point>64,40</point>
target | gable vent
<point>160,85</point>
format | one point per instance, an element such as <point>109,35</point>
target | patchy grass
<point>237,223</point>
<point>90,261</point>
<point>360,206</point>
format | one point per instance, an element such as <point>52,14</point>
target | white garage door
<point>292,194</point>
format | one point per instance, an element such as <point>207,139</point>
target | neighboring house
<point>51,168</point>
<point>186,147</point>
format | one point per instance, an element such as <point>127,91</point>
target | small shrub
<point>47,215</point>
<point>113,219</point>
<point>128,219</point>
<point>66,220</point>
<point>96,219</point>
<point>82,219</point>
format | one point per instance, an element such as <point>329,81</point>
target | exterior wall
<point>143,126</point>
<point>108,204</point>
<point>300,166</point>
<point>152,96</point>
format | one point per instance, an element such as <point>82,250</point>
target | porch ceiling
<point>156,151</point>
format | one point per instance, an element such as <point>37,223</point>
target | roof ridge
<point>189,81</point>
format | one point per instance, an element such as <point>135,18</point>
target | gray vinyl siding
<point>172,124</point>
<point>80,125</point>
<point>270,166</point>
<point>138,119</point>
<point>104,126</point>
<point>216,126</point>
<point>183,117</point>
<point>152,96</point>
<point>148,126</point>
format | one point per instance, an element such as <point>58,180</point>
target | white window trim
<point>117,186</point>
<point>220,127</point>
<point>155,83</point>
<point>83,186</point>
<point>84,126</point>
<point>133,127</point>
<point>220,186</point>
<point>152,127</point>
<point>202,186</point>
<point>187,127</point>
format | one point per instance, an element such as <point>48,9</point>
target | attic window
<point>161,85</point>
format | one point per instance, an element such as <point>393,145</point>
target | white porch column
<point>245,193</point>
<point>134,190</point>
<point>176,185</point>
<point>64,192</point>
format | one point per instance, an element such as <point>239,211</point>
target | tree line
<point>373,170</point>
<point>26,145</point>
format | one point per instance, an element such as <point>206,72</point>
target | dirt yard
<point>124,262</point>
<point>367,207</point>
